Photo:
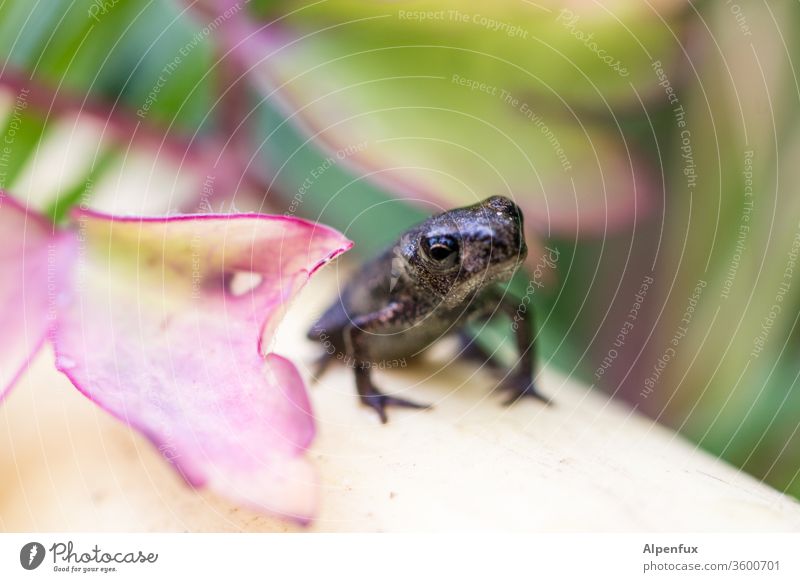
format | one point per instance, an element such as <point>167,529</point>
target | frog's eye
<point>442,249</point>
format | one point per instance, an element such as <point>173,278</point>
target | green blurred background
<point>653,147</point>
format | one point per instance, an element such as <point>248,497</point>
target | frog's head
<point>461,251</point>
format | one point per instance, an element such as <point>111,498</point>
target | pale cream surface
<point>585,464</point>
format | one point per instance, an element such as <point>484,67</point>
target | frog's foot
<point>522,387</point>
<point>378,401</point>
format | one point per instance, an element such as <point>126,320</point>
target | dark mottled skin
<point>440,275</point>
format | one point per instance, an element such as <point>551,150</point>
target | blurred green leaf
<point>447,112</point>
<point>121,49</point>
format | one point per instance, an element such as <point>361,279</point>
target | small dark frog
<point>439,276</point>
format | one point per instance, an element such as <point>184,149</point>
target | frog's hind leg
<point>320,366</point>
<point>470,349</point>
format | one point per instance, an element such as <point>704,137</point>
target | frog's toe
<point>524,388</point>
<point>379,402</point>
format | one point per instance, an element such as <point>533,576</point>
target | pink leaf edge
<point>156,333</point>
<point>32,255</point>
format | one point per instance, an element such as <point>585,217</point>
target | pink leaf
<point>165,331</point>
<point>31,258</point>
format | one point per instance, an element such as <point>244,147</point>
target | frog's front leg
<point>357,336</point>
<point>519,380</point>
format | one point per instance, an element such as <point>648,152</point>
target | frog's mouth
<point>504,272</point>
